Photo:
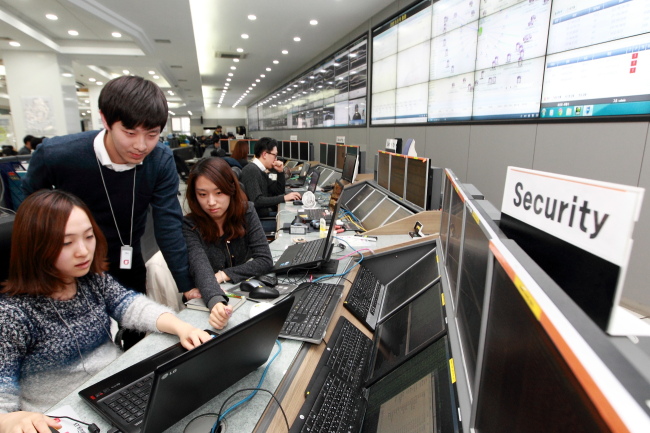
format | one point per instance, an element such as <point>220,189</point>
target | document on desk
<point>410,411</point>
<point>67,425</point>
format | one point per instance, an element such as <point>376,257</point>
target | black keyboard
<point>347,353</point>
<point>316,214</point>
<point>363,295</point>
<point>131,402</point>
<point>332,405</point>
<point>311,312</point>
<point>308,252</point>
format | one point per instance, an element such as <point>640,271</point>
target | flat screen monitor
<point>295,154</point>
<point>326,177</point>
<point>454,239</point>
<point>368,204</point>
<point>444,214</point>
<point>353,150</point>
<point>383,169</point>
<point>286,149</point>
<point>251,144</point>
<point>341,150</point>
<point>224,145</point>
<point>378,217</point>
<point>303,153</point>
<point>322,157</point>
<point>360,196</point>
<point>397,175</point>
<point>417,182</point>
<point>401,213</point>
<point>331,155</point>
<point>349,168</point>
<point>471,290</point>
<point>280,149</point>
<point>407,331</point>
<point>522,364</point>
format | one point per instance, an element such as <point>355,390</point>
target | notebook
<point>180,381</point>
<point>307,255</point>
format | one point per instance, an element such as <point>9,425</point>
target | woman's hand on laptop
<point>219,315</point>
<point>26,422</point>
<point>190,336</point>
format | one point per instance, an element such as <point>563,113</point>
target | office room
<point>474,88</point>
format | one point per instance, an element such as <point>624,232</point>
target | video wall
<point>463,60</point>
<point>332,94</point>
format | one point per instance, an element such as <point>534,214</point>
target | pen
<point>230,295</point>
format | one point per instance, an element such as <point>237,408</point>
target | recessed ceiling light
<point>116,34</point>
<point>170,92</point>
<point>99,83</point>
<point>152,72</point>
<point>262,75</point>
<point>276,61</point>
<point>250,88</point>
<point>51,17</point>
<point>240,50</point>
<point>233,67</point>
<point>313,22</point>
<point>244,36</point>
<point>296,39</point>
<point>92,80</point>
<point>268,69</point>
<point>227,84</point>
<point>125,71</point>
<point>67,74</point>
<point>257,80</point>
<point>285,52</point>
<point>87,101</point>
<point>228,79</point>
<point>252,17</point>
<point>230,74</point>
<point>14,43</point>
<point>235,60</point>
<point>73,33</point>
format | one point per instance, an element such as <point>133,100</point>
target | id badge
<point>126,256</point>
<point>273,176</point>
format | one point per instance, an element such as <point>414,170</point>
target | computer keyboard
<point>363,295</point>
<point>308,252</point>
<point>333,406</point>
<point>131,402</point>
<point>315,214</point>
<point>311,312</point>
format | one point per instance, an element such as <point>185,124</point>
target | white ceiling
<point>179,39</point>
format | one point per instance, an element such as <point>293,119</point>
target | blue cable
<point>346,272</point>
<point>252,394</point>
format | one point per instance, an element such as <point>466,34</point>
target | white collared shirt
<point>259,164</point>
<point>102,154</point>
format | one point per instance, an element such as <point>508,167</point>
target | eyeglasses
<point>275,155</point>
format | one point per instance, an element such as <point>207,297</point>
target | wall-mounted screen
<point>460,60</point>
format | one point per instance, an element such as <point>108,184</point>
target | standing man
<point>119,172</point>
<point>263,181</point>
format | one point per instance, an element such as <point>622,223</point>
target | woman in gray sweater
<point>225,239</point>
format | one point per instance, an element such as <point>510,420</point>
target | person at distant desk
<point>218,135</point>
<point>263,179</point>
<point>27,148</point>
<point>119,173</point>
<point>240,153</point>
<point>56,306</point>
<point>224,236</point>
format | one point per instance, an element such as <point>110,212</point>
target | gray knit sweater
<point>265,193</point>
<point>41,339</point>
<point>240,258</point>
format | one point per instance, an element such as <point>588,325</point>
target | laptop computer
<point>307,255</point>
<point>300,181</point>
<point>172,383</point>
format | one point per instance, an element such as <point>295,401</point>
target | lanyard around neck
<point>111,206</point>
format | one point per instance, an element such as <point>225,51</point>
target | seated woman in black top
<point>225,239</point>
<point>240,152</point>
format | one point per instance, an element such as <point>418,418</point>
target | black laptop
<point>308,255</point>
<point>300,181</point>
<point>155,393</point>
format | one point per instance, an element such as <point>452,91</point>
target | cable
<point>251,395</point>
<point>92,427</point>
<point>347,271</point>
<point>286,420</point>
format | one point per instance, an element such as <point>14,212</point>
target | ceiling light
<point>87,101</point>
<point>67,74</point>
<point>172,113</point>
<point>116,34</point>
<point>276,61</point>
<point>257,80</point>
<point>92,80</point>
<point>189,112</point>
<point>99,83</point>
<point>51,17</point>
<point>262,75</point>
<point>228,79</point>
<point>219,106</point>
<point>285,52</point>
<point>14,43</point>
<point>240,50</point>
<point>268,69</point>
<point>296,39</point>
<point>73,33</point>
<point>253,84</point>
<point>230,74</point>
<point>252,17</point>
<point>227,84</point>
<point>155,77</point>
<point>233,67</point>
<point>152,72</point>
<point>250,88</point>
<point>170,92</point>
<point>235,60</point>
<point>125,71</point>
<point>244,36</point>
<point>313,22</point>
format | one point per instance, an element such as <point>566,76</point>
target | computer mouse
<point>249,284</point>
<point>268,279</point>
<point>263,292</point>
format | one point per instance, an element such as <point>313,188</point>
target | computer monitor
<point>295,150</point>
<point>417,182</point>
<point>331,155</point>
<point>368,204</point>
<point>280,150</point>
<point>251,149</point>
<point>380,215</point>
<point>225,145</point>
<point>383,169</point>
<point>326,177</point>
<point>357,198</point>
<point>397,175</point>
<point>341,151</point>
<point>354,150</point>
<point>401,213</point>
<point>349,168</point>
<point>322,157</point>
<point>286,149</point>
<point>454,240</point>
<point>303,151</point>
<point>444,214</point>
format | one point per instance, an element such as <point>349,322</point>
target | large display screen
<point>464,60</point>
<point>331,94</point>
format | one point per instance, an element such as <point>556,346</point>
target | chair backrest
<point>237,171</point>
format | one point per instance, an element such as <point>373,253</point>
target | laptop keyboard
<point>131,402</point>
<point>308,252</point>
<point>311,314</point>
<point>334,400</point>
<point>363,296</point>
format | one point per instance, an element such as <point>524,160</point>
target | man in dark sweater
<point>119,172</point>
<point>263,181</point>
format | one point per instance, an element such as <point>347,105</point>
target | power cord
<point>215,429</point>
<point>92,427</point>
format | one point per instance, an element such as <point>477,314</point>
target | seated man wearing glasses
<point>263,180</point>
